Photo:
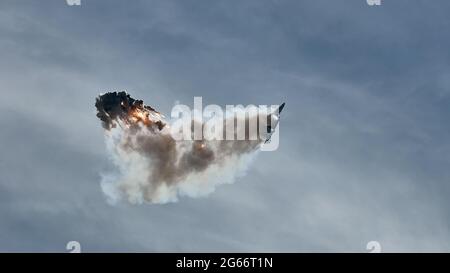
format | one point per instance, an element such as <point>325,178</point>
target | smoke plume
<point>153,167</point>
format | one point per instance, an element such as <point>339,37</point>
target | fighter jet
<point>272,121</point>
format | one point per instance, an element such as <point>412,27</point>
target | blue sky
<point>364,139</point>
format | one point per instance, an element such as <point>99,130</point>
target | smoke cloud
<point>153,167</point>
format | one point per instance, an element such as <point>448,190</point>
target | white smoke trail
<point>153,166</point>
<point>141,175</point>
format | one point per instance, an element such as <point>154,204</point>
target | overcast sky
<point>364,138</point>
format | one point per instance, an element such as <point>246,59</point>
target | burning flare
<point>118,107</point>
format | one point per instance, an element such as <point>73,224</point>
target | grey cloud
<point>364,138</point>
